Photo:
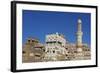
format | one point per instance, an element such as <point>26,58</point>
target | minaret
<point>79,35</point>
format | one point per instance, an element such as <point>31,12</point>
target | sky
<point>40,23</point>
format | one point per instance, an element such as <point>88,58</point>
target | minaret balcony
<point>79,33</point>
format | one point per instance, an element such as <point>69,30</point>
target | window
<point>66,48</point>
<point>66,55</point>
<point>32,40</point>
<point>44,50</point>
<point>23,52</point>
<point>47,50</point>
<point>37,55</point>
<point>53,51</point>
<point>28,40</point>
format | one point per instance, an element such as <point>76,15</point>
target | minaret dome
<point>79,21</point>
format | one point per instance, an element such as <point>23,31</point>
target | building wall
<point>33,51</point>
<point>55,46</point>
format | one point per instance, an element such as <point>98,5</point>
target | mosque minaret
<point>79,35</point>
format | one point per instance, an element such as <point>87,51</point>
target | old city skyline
<point>56,46</point>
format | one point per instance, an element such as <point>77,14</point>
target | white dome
<point>79,21</point>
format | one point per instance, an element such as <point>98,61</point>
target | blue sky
<point>39,23</point>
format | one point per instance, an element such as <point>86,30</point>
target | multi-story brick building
<point>55,47</point>
<point>32,51</point>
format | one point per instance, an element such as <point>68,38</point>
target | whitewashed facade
<point>55,46</point>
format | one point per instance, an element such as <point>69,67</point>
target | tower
<point>79,35</point>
